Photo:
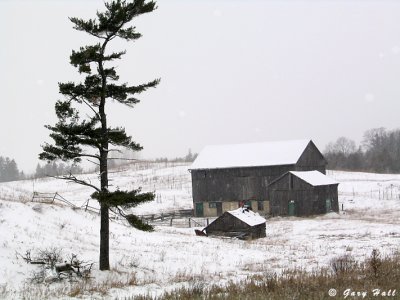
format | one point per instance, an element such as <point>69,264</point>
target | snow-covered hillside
<point>172,256</point>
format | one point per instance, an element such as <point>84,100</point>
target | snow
<point>315,178</point>
<point>250,155</point>
<point>249,217</point>
<point>171,257</point>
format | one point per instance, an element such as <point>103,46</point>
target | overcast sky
<point>231,72</point>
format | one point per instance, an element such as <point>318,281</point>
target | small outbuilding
<point>298,193</point>
<point>241,223</point>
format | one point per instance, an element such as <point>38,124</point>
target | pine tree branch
<point>78,98</point>
<point>73,178</point>
<point>93,162</point>
<point>117,158</point>
<point>58,153</point>
<point>95,112</point>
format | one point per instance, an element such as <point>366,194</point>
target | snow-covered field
<point>171,256</point>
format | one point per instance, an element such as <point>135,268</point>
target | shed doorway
<point>292,208</point>
<point>328,205</point>
<point>199,210</point>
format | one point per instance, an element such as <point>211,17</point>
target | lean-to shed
<point>241,223</point>
<point>226,176</point>
<point>298,193</point>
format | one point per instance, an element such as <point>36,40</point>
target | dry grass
<point>346,273</point>
<point>75,288</point>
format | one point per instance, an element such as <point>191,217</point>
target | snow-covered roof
<point>249,217</point>
<point>315,178</point>
<point>250,155</point>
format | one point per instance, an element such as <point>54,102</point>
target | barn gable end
<point>311,159</point>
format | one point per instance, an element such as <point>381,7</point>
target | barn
<point>226,176</point>
<point>242,223</point>
<point>303,193</point>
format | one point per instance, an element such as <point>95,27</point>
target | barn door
<point>292,208</point>
<point>328,205</point>
<point>199,210</point>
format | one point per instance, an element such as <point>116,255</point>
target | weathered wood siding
<point>309,200</point>
<point>250,183</point>
<point>235,184</point>
<point>228,225</point>
<point>311,159</point>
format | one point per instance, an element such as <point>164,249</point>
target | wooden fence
<point>50,198</point>
<point>179,218</point>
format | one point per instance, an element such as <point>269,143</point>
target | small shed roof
<point>315,178</point>
<point>247,216</point>
<point>250,155</point>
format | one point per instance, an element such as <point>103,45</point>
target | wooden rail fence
<point>179,218</point>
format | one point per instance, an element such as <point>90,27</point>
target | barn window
<point>212,205</point>
<point>260,205</point>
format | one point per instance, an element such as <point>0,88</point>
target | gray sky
<point>232,72</point>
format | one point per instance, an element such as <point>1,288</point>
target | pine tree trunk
<point>104,239</point>
<point>104,216</point>
<point>104,220</point>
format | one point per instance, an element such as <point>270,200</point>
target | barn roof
<point>247,216</point>
<point>315,178</point>
<point>250,155</point>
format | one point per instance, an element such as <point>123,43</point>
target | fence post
<point>207,222</point>
<point>342,207</point>
<point>189,224</point>
<point>171,221</point>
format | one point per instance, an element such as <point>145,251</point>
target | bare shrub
<point>343,264</point>
<point>129,261</point>
<point>51,256</point>
<point>375,262</point>
<point>271,280</point>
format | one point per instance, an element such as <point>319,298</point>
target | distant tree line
<point>379,152</point>
<point>9,170</point>
<point>54,169</point>
<point>190,157</point>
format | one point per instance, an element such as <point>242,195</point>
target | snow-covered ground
<point>171,256</point>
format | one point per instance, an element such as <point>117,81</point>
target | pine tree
<point>2,169</point>
<point>12,171</point>
<point>76,138</point>
<point>8,169</point>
